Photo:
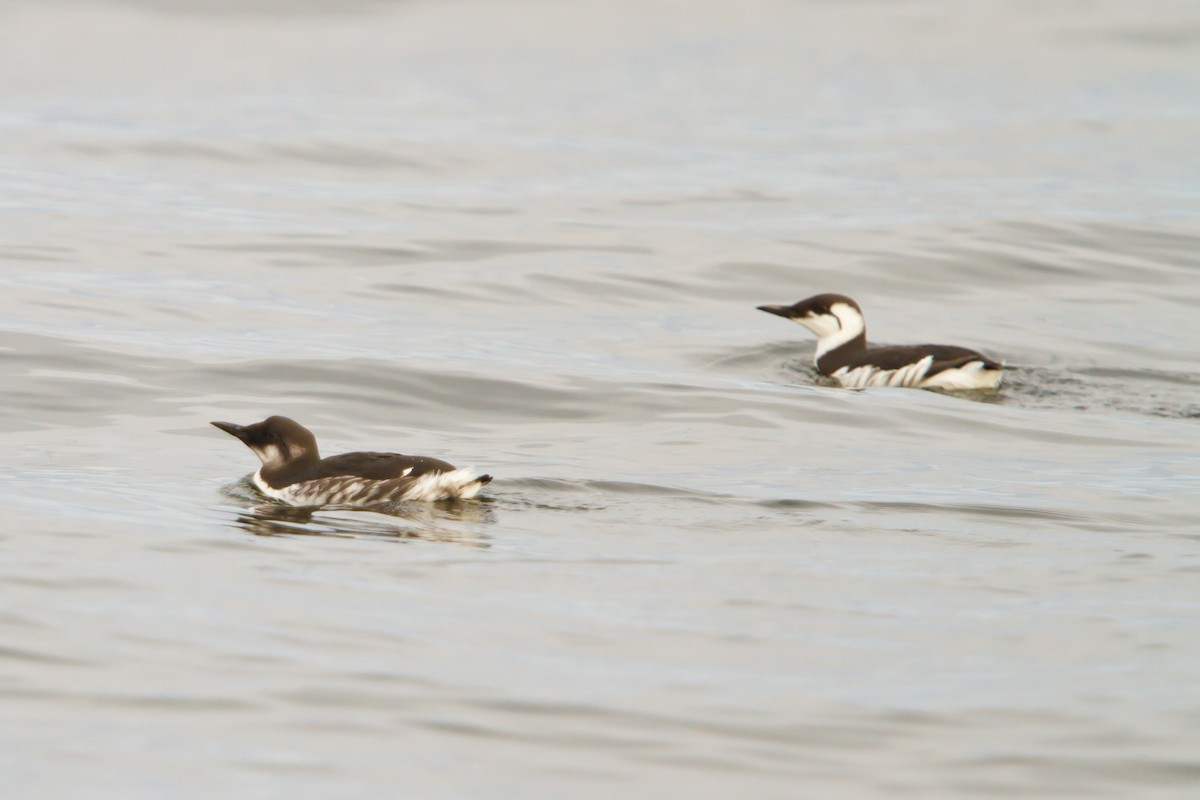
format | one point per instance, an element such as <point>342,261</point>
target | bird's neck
<point>850,337</point>
<point>281,473</point>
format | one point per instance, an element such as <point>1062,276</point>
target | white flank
<point>972,375</point>
<point>911,374</point>
<point>352,491</point>
<point>867,376</point>
<point>460,484</point>
<point>853,378</point>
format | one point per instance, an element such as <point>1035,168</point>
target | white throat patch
<point>834,329</point>
<point>269,455</point>
<point>272,455</point>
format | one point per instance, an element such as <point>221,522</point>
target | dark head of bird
<point>835,319</point>
<point>277,441</point>
<point>820,305</point>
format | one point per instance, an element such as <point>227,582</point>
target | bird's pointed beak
<point>779,311</point>
<point>232,429</point>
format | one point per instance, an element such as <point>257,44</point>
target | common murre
<point>842,352</point>
<point>293,471</point>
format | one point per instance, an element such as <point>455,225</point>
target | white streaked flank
<point>972,375</point>
<point>457,484</point>
<point>460,484</point>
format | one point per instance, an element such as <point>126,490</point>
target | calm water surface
<point>530,237</point>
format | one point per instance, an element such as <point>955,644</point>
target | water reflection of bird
<point>449,522</point>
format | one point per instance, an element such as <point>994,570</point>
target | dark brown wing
<point>376,466</point>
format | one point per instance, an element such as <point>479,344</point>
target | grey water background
<point>529,237</point>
